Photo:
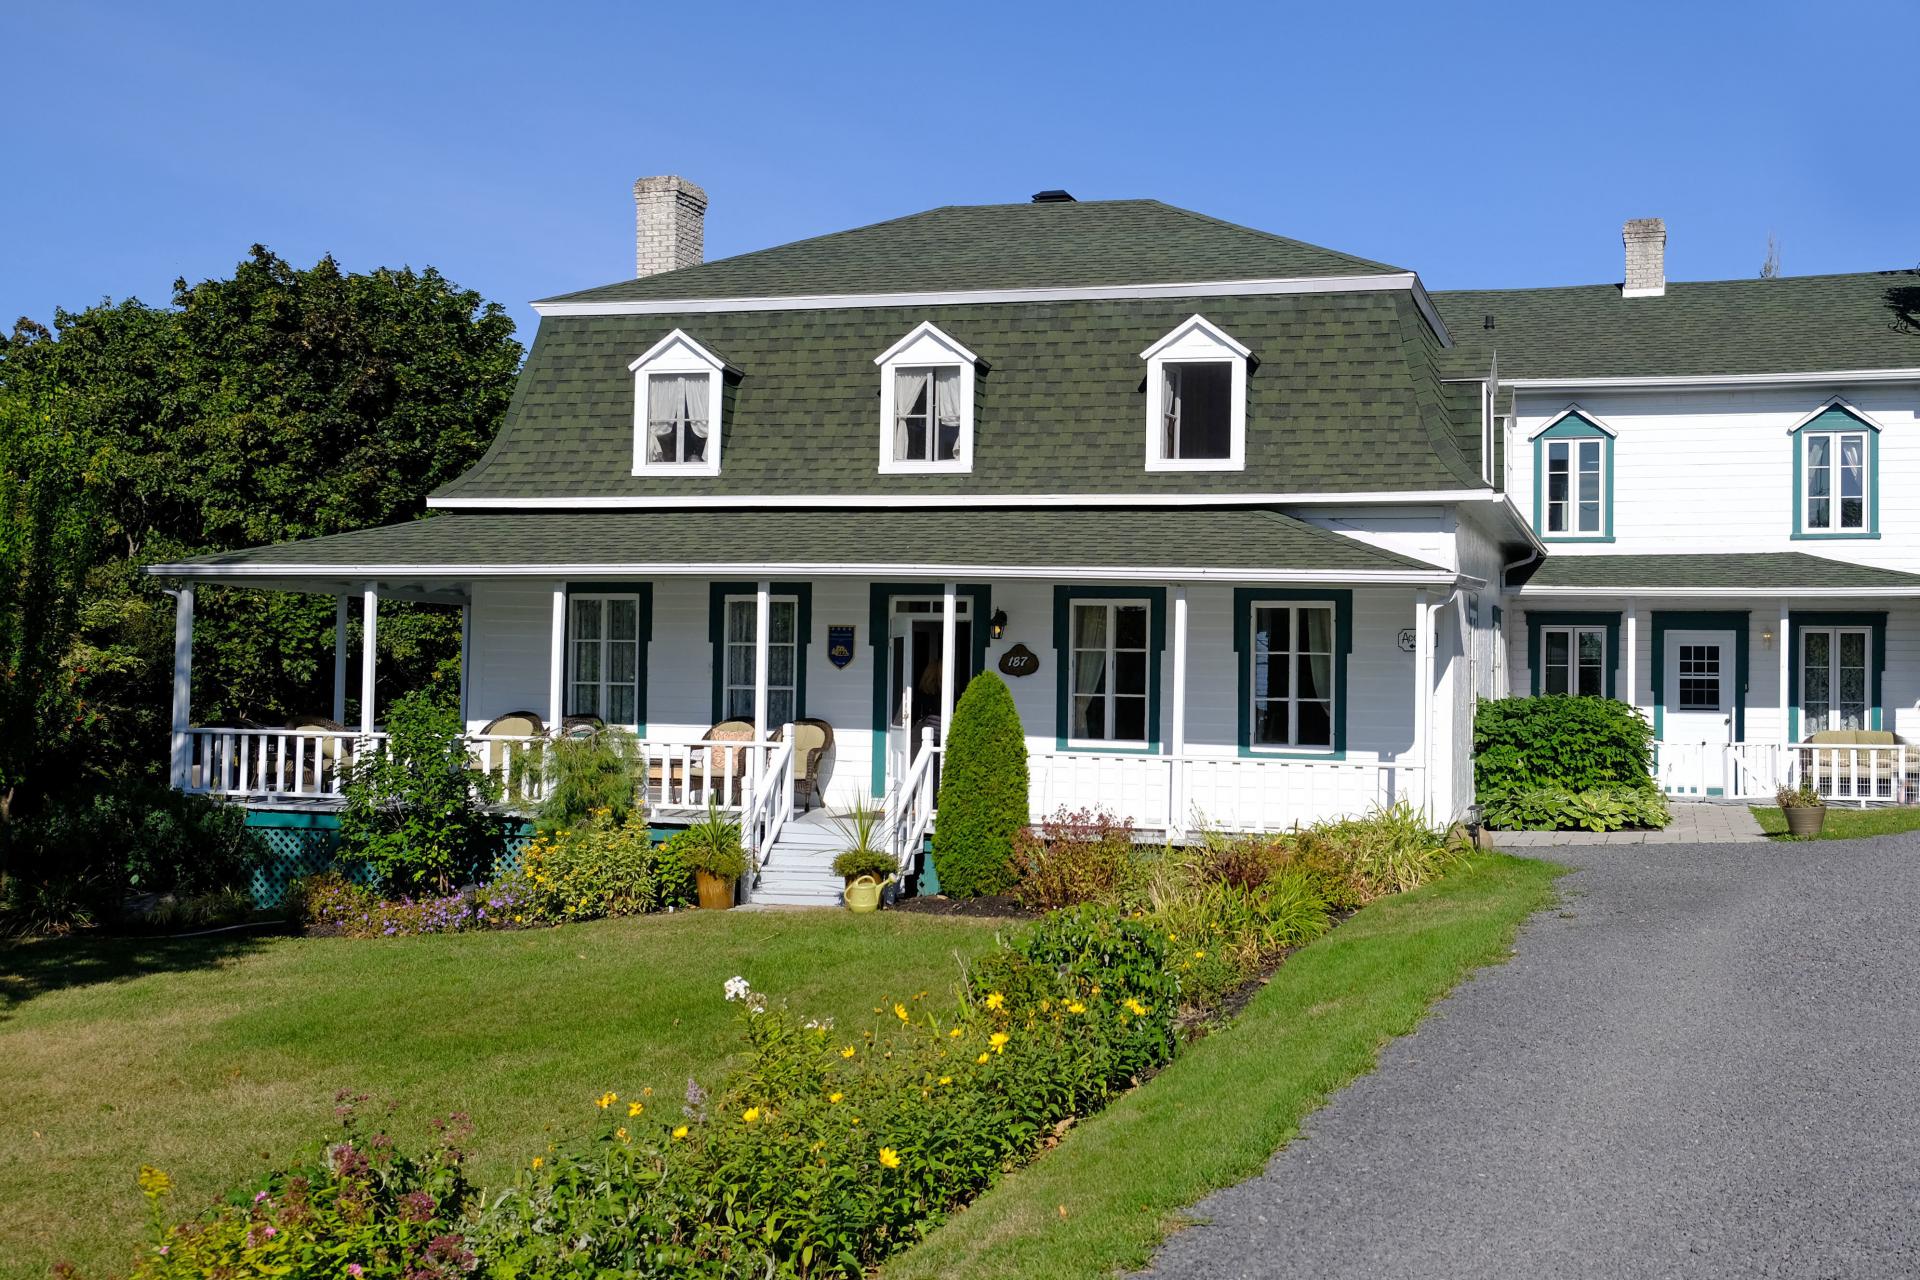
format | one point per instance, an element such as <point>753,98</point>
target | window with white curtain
<point>783,666</point>
<point>1834,662</point>
<point>1197,399</point>
<point>926,414</point>
<point>1834,472</point>
<point>678,417</point>
<point>1292,667</point>
<point>927,382</point>
<point>603,658</point>
<point>677,393</point>
<point>1109,655</point>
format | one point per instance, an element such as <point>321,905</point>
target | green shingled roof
<point>1698,328</point>
<point>1344,397</point>
<point>1001,246</point>
<point>1257,541</point>
<point>1748,571</point>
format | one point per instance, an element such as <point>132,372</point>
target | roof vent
<point>1054,196</point>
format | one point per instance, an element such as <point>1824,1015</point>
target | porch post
<point>1422,698</point>
<point>1177,777</point>
<point>1633,653</point>
<point>466,659</point>
<point>340,615</point>
<point>1780,638</point>
<point>762,656</point>
<point>180,769</point>
<point>947,594</point>
<point>557,660</point>
<point>369,645</point>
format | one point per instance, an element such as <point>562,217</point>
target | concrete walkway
<point>1705,1063</point>
<point>1692,824</point>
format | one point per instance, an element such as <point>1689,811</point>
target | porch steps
<point>798,871</point>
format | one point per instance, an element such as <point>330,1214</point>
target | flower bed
<point>832,1148</point>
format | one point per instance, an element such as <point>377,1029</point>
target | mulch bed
<point>1000,908</point>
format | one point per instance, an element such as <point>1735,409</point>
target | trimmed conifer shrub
<point>983,791</point>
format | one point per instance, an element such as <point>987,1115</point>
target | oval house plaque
<point>1019,661</point>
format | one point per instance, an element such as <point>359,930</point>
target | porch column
<point>340,615</point>
<point>1780,637</point>
<point>762,656</point>
<point>1422,699</point>
<point>557,660</point>
<point>180,769</point>
<point>1633,653</point>
<point>466,659</point>
<point>947,594</point>
<point>369,645</point>
<point>1177,779</point>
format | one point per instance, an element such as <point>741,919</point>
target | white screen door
<point>1697,707</point>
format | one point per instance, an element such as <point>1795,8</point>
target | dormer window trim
<point>934,369</point>
<point>1574,448</point>
<point>678,356</point>
<point>1836,462</point>
<point>1191,345</point>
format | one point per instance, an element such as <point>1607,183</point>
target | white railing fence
<point>1880,774</point>
<point>769,801</point>
<point>909,806</point>
<point>293,764</point>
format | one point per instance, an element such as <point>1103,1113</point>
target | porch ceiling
<point>1185,542</point>
<point>1767,573</point>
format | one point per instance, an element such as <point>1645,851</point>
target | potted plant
<point>1806,812</point>
<point>864,863</point>
<point>713,849</point>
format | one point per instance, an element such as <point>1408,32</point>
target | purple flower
<point>259,1197</point>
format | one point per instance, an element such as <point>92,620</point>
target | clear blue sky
<point>1480,145</point>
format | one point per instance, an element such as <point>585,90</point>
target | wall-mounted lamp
<point>1766,638</point>
<point>998,623</point>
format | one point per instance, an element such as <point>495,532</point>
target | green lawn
<point>1118,1183</point>
<point>215,1059</point>
<point>1845,824</point>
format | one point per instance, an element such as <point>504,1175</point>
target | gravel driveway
<point>1706,1063</point>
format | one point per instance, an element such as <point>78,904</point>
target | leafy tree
<point>983,791</point>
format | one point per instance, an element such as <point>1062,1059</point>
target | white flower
<point>756,1004</point>
<point>737,988</point>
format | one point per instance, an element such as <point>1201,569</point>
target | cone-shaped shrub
<point>983,791</point>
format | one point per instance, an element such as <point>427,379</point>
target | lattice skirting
<point>305,842</point>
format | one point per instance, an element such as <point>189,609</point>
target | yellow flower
<point>889,1157</point>
<point>1138,1010</point>
<point>750,1114</point>
<point>955,1033</point>
<point>982,1058</point>
<point>999,1041</point>
<point>1199,955</point>
<point>848,1052</point>
<point>607,1099</point>
<point>1076,1007</point>
<point>995,1000</point>
<point>154,1183</point>
<point>621,1133</point>
<point>680,1132</point>
<point>835,1097</point>
<point>537,1162</point>
<point>634,1109</point>
<point>900,1012</point>
<point>647,1092</point>
<point>946,1079</point>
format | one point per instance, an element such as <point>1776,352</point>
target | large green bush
<point>1577,744</point>
<point>983,791</point>
<point>417,810</point>
<point>588,775</point>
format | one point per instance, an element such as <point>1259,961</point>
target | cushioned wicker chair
<point>581,726</point>
<point>327,755</point>
<point>516,772</point>
<point>812,739</point>
<point>516,724</point>
<point>718,762</point>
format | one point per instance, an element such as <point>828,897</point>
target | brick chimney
<point>669,225</point>
<point>1646,241</point>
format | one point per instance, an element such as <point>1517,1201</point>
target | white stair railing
<point>910,807</point>
<point>769,802</point>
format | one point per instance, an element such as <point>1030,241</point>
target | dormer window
<point>1197,400</point>
<point>1573,478</point>
<point>926,404</point>
<point>677,408</point>
<point>1836,457</point>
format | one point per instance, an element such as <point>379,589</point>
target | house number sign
<point>1019,661</point>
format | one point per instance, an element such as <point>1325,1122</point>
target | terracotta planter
<point>715,894</point>
<point>1804,823</point>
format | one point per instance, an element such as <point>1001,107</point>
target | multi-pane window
<point>1835,474</point>
<point>1292,685</point>
<point>783,659</point>
<point>1573,661</point>
<point>1109,662</point>
<point>927,414</point>
<point>1575,486</point>
<point>1699,677</point>
<point>1833,677</point>
<point>603,676</point>
<point>1196,410</point>
<point>678,416</point>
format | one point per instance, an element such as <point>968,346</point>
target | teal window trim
<point>1734,620</point>
<point>1835,419</point>
<point>1573,426</point>
<point>1537,622</point>
<point>880,597</point>
<point>644,592</point>
<point>1874,622</point>
<point>1063,599</point>
<point>717,594</point>
<point>1245,599</point>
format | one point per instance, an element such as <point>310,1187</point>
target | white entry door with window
<point>1697,711</point>
<point>914,663</point>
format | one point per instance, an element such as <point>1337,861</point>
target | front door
<point>1697,710</point>
<point>914,664</point>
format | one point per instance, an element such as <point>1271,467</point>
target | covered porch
<point>1756,670</point>
<point>1181,668</point>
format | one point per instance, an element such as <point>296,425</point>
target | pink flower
<point>258,1198</point>
<point>272,1232</point>
<point>355,1270</point>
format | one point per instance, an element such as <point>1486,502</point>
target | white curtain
<point>664,399</point>
<point>697,386</point>
<point>908,387</point>
<point>1170,410</point>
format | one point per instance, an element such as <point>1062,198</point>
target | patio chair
<point>581,726</point>
<point>515,770</point>
<point>328,754</point>
<point>812,739</point>
<point>718,762</point>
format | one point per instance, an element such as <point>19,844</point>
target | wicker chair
<point>328,753</point>
<point>581,726</point>
<point>812,740</point>
<point>516,724</point>
<point>517,775</point>
<point>721,759</point>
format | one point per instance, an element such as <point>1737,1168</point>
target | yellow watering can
<point>863,894</point>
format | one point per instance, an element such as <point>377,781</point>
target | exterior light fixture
<point>998,623</point>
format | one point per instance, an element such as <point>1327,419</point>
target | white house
<point>1250,524</point>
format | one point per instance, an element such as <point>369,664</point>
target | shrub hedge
<point>983,791</point>
<point>1577,744</point>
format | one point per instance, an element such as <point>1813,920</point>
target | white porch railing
<point>1862,775</point>
<point>909,806</point>
<point>769,802</point>
<point>272,764</point>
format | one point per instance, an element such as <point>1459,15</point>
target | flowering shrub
<point>362,1209</point>
<point>597,869</point>
<point>330,905</point>
<point>1075,857</point>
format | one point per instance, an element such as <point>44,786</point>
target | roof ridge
<point>1753,280</point>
